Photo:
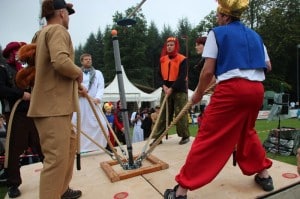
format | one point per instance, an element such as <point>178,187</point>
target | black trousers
<point>23,135</point>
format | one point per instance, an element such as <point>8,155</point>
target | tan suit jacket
<point>53,92</point>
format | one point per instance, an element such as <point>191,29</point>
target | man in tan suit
<point>53,100</point>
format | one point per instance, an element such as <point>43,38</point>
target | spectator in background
<point>119,126</point>
<point>23,133</point>
<point>199,46</point>
<point>200,116</point>
<point>93,85</point>
<point>108,108</point>
<point>147,124</point>
<point>136,120</point>
<point>2,134</point>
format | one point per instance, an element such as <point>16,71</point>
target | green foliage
<point>279,25</point>
<point>277,21</point>
<point>263,127</point>
<point>153,47</point>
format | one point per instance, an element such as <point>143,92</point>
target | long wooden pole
<point>112,131</point>
<point>102,128</point>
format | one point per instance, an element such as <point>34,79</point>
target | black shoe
<point>71,194</point>
<point>108,148</point>
<point>13,192</point>
<point>155,141</point>
<point>171,194</point>
<point>184,140</point>
<point>265,183</point>
<point>3,176</point>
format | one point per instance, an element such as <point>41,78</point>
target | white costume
<point>89,123</point>
<point>138,132</point>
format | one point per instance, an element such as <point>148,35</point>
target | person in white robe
<point>136,120</point>
<point>93,84</point>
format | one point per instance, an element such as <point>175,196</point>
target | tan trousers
<point>58,144</point>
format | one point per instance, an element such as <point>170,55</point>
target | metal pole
<point>298,46</point>
<point>122,99</point>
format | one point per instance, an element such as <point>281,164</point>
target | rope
<point>96,143</point>
<point>7,141</point>
<point>188,105</point>
<point>176,119</point>
<point>113,133</point>
<point>167,116</point>
<point>102,128</point>
<point>155,125</point>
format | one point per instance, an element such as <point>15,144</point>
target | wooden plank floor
<point>92,180</point>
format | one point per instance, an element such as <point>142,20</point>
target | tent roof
<point>132,93</point>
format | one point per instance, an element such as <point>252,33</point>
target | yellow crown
<point>233,8</point>
<point>108,106</point>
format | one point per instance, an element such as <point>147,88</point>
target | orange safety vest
<point>169,68</point>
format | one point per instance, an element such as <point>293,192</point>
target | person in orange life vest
<point>239,76</point>
<point>173,75</point>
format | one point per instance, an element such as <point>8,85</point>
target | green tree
<point>94,46</point>
<point>133,47</point>
<point>109,63</point>
<point>153,49</point>
<point>78,52</point>
<point>280,29</point>
<point>277,21</point>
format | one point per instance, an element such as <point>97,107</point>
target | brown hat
<point>49,6</point>
<point>233,8</point>
<point>11,47</point>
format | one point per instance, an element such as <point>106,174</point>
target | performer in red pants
<point>236,56</point>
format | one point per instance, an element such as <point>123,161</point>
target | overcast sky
<point>19,19</point>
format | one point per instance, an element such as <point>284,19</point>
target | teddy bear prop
<point>25,76</point>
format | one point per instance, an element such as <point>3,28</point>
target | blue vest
<point>238,47</point>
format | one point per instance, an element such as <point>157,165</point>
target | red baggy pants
<point>228,122</point>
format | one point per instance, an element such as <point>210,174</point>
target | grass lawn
<point>263,128</point>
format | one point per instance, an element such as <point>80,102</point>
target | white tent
<point>132,93</point>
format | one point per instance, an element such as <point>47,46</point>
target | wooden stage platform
<point>95,184</point>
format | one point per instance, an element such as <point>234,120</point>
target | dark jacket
<point>9,93</point>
